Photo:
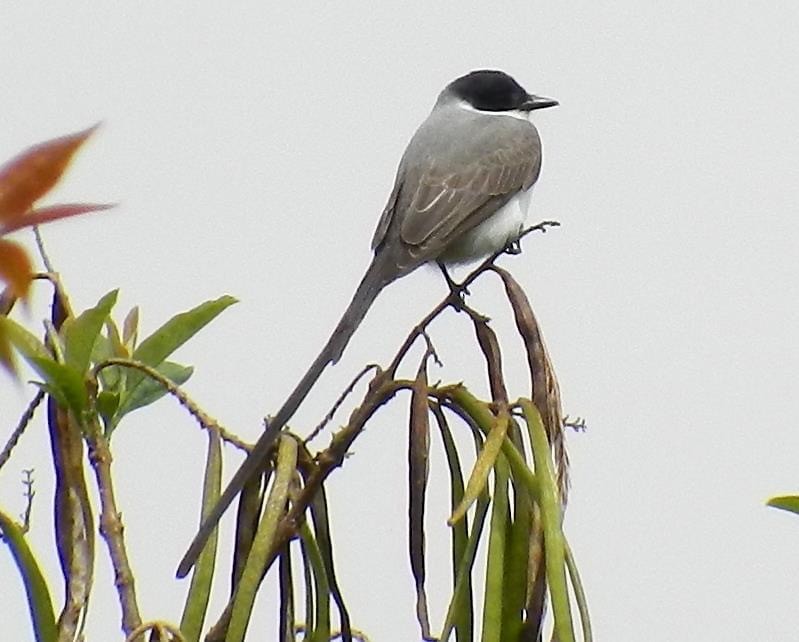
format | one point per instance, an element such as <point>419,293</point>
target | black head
<point>490,90</point>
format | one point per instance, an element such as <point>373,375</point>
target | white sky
<point>252,148</point>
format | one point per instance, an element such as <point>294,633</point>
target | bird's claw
<point>514,247</point>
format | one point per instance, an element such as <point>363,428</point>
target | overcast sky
<point>252,146</point>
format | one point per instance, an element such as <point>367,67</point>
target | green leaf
<point>39,602</point>
<point>196,605</point>
<point>256,561</point>
<point>495,558</point>
<point>25,342</point>
<point>173,334</point>
<point>786,502</point>
<point>321,585</point>
<point>64,383</point>
<point>107,404</point>
<point>110,378</point>
<point>80,334</point>
<point>149,390</point>
<point>130,328</point>
<point>552,522</point>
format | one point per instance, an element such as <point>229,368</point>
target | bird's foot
<point>514,247</point>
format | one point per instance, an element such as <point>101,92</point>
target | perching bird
<point>461,193</point>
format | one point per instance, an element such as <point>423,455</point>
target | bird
<point>461,192</point>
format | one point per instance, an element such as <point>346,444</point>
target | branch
<point>112,530</point>
<point>204,419</point>
<point>453,298</point>
<point>24,420</point>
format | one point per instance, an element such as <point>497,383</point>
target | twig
<point>577,424</point>
<point>204,419</point>
<point>42,252</point>
<point>381,389</point>
<point>28,494</point>
<point>24,420</point>
<point>452,299</point>
<point>347,391</point>
<point>55,280</point>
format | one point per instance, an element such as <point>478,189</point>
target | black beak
<point>538,102</point>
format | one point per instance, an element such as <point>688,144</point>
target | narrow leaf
<point>80,333</point>
<point>39,602</point>
<point>31,174</point>
<point>464,621</point>
<point>286,625</point>
<point>490,348</point>
<point>256,562</point>
<point>483,466</point>
<point>321,587</point>
<point>418,472</point>
<point>495,559</point>
<point>150,391</point>
<point>516,585</point>
<point>25,342</point>
<point>579,595</point>
<point>321,525</point>
<point>196,606</point>
<point>456,609</point>
<point>64,383</point>
<point>173,334</point>
<point>545,389</point>
<point>248,515</point>
<point>43,215</point>
<point>551,519</point>
<point>130,328</point>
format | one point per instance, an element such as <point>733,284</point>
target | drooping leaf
<point>80,333</point>
<point>287,618</point>
<point>418,473</point>
<point>321,586</point>
<point>196,606</point>
<point>31,174</point>
<point>15,267</point>
<point>495,558</point>
<point>267,529</point>
<point>552,522</point>
<point>40,603</point>
<point>483,466</point>
<point>463,615</point>
<point>321,527</point>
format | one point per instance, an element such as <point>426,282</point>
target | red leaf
<point>30,175</point>
<point>43,215</point>
<point>15,267</point>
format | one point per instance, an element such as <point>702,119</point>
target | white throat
<point>512,113</point>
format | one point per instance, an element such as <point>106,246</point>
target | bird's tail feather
<point>375,279</point>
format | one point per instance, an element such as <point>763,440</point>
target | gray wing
<point>459,180</point>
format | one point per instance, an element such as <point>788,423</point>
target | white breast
<point>493,234</point>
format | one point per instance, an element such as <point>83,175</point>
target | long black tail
<point>375,279</point>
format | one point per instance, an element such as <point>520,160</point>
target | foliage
<point>94,371</point>
<point>24,180</point>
